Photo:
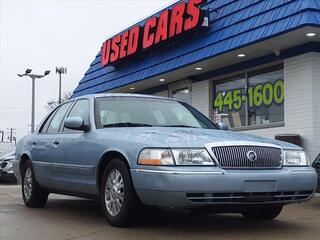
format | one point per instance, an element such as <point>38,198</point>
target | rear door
<point>42,145</point>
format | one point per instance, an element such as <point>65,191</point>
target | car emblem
<point>252,156</point>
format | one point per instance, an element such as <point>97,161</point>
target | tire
<point>264,212</point>
<point>33,195</point>
<point>119,200</point>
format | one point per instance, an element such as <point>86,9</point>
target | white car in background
<point>6,169</point>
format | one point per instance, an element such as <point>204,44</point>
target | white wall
<point>200,96</point>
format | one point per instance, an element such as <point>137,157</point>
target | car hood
<point>192,137</point>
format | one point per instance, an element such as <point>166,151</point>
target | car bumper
<point>192,187</point>
<point>7,175</point>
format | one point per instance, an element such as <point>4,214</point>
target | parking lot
<point>66,218</point>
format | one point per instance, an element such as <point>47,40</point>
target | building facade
<point>252,64</point>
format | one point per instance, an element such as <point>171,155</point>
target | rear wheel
<point>118,197</point>
<point>263,212</point>
<point>33,195</point>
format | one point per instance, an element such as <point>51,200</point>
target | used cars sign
<point>183,17</point>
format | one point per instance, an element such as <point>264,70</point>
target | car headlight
<point>295,158</point>
<point>192,157</point>
<point>151,156</point>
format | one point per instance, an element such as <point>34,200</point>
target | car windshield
<point>147,112</point>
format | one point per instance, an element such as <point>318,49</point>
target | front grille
<point>249,197</point>
<point>236,156</point>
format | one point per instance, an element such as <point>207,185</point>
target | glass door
<point>181,92</point>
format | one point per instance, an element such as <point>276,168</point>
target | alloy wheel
<point>114,192</point>
<point>27,184</point>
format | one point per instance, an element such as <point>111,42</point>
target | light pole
<point>33,77</point>
<point>60,70</point>
<point>2,133</point>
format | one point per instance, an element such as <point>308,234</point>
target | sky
<point>44,34</point>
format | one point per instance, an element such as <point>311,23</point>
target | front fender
<point>17,162</point>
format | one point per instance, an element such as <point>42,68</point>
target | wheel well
<point>23,160</point>
<point>105,159</point>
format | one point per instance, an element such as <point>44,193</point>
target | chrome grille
<point>246,197</point>
<point>236,156</point>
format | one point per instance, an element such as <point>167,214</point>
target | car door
<point>71,171</point>
<point>40,143</point>
<point>46,151</point>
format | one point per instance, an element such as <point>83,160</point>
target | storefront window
<point>255,98</point>
<point>228,104</point>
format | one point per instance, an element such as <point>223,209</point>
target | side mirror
<point>76,123</point>
<point>223,126</point>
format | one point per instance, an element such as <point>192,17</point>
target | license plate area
<point>260,186</point>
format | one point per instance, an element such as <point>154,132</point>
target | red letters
<point>176,21</point>
<point>183,17</point>
<point>162,28</point>
<point>115,48</point>
<point>148,35</point>
<point>194,14</point>
<point>123,44</point>
<point>133,40</point>
<point>105,52</point>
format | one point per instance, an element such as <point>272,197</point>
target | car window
<point>55,123</point>
<point>45,125</point>
<point>79,109</point>
<point>317,160</point>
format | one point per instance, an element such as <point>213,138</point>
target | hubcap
<point>27,184</point>
<point>114,192</point>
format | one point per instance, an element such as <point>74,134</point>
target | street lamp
<point>60,70</point>
<point>33,77</point>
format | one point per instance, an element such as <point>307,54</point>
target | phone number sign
<point>255,96</point>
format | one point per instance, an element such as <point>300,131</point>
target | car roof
<point>134,95</point>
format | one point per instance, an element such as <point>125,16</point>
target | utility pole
<point>11,132</point>
<point>33,77</point>
<point>2,134</point>
<point>61,70</point>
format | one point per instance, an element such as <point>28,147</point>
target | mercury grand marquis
<point>131,151</point>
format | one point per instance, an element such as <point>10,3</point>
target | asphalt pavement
<point>69,218</point>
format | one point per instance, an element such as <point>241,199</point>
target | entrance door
<point>181,92</point>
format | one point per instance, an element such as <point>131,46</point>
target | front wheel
<point>33,195</point>
<point>263,212</point>
<point>119,200</point>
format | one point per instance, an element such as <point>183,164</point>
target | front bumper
<point>193,186</point>
<point>7,175</point>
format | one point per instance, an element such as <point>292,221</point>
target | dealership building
<point>253,64</point>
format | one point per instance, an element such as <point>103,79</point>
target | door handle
<point>55,142</point>
<point>33,142</point>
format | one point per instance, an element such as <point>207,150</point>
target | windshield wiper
<point>127,124</point>
<point>178,125</point>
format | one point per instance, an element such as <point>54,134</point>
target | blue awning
<point>233,24</point>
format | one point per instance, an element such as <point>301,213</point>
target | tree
<point>52,103</point>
